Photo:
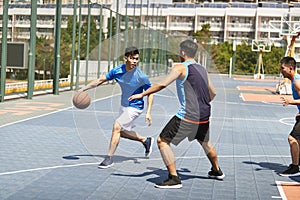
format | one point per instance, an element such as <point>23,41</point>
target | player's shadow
<point>116,158</point>
<point>272,166</point>
<point>162,174</point>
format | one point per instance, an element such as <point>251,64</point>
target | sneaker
<point>106,163</point>
<point>216,174</point>
<point>293,170</point>
<point>173,182</point>
<point>148,146</point>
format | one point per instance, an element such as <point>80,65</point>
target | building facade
<point>233,21</point>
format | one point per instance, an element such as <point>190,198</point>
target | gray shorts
<point>296,129</point>
<point>177,130</point>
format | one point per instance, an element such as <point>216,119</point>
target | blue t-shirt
<point>295,93</point>
<point>133,82</point>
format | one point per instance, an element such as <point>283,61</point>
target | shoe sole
<point>150,149</point>
<point>290,175</point>
<point>105,167</point>
<point>169,186</point>
<point>217,177</point>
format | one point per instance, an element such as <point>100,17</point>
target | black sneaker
<point>148,146</point>
<point>293,170</point>
<point>106,163</point>
<point>216,174</point>
<point>173,182</point>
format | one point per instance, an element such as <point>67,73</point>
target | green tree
<point>66,43</point>
<point>221,54</point>
<point>44,57</point>
<point>246,59</point>
<point>271,60</point>
<point>114,27</point>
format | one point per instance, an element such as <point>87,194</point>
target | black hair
<point>290,61</point>
<point>189,47</point>
<point>131,51</point>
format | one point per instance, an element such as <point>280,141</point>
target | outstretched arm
<point>291,101</point>
<point>94,84</point>
<point>173,75</point>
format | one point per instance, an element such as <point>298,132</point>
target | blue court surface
<point>50,150</point>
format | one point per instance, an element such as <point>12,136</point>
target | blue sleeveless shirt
<point>295,93</point>
<point>193,94</point>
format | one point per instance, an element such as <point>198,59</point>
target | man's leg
<point>167,155</point>
<point>115,138</point>
<point>133,135</point>
<point>146,141</point>
<point>114,141</point>
<point>293,169</point>
<point>211,154</point>
<point>294,149</point>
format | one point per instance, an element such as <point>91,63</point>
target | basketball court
<point>50,150</point>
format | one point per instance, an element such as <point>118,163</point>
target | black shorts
<point>176,130</point>
<point>296,129</point>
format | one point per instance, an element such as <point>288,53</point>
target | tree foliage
<point>245,59</point>
<point>45,47</point>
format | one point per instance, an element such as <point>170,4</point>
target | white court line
<point>42,115</point>
<point>46,168</point>
<point>280,189</point>
<point>289,124</point>
<point>153,159</point>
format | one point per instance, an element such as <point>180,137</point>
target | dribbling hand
<point>285,101</point>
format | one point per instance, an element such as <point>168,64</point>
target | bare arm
<point>149,108</point>
<point>291,101</point>
<point>173,75</point>
<point>94,84</point>
<point>212,90</point>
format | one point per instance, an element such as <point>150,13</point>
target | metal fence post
<point>4,50</point>
<point>31,60</point>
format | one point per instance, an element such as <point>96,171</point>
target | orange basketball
<point>81,100</point>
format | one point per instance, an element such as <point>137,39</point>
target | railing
<point>38,85</point>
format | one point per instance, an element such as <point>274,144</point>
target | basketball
<point>81,100</point>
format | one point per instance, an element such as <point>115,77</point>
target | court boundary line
<point>153,159</point>
<point>50,113</point>
<point>280,190</point>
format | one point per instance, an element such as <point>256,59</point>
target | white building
<point>228,21</point>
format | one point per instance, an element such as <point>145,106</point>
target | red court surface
<point>255,88</point>
<point>257,80</point>
<point>254,94</point>
<point>262,97</point>
<point>289,190</point>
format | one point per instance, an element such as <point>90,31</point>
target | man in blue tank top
<point>132,81</point>
<point>288,70</point>
<point>195,92</point>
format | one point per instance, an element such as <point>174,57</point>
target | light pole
<point>232,63</point>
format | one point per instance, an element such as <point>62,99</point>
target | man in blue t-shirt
<point>132,81</point>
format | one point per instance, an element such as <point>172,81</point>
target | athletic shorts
<point>177,130</point>
<point>296,129</point>
<point>127,116</point>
